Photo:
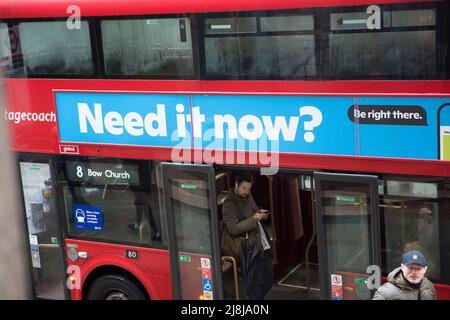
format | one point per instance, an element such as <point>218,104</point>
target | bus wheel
<point>114,287</point>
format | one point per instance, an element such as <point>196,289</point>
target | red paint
<point>251,87</point>
<point>152,268</point>
<point>59,8</point>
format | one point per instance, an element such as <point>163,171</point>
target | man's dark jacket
<point>238,219</point>
<point>398,288</point>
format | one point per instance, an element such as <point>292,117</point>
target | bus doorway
<point>324,229</point>
<point>289,198</point>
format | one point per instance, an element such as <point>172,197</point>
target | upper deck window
<point>377,42</point>
<point>403,46</point>
<point>5,48</point>
<point>51,48</point>
<point>266,47</point>
<point>148,47</point>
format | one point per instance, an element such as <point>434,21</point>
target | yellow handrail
<point>235,274</point>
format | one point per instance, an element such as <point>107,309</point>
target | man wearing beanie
<point>408,281</point>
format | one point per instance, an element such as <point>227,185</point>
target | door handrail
<point>235,274</point>
<point>49,245</point>
<point>311,241</point>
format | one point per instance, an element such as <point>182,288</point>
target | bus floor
<point>290,283</point>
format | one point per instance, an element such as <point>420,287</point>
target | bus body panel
<point>36,96</point>
<point>151,267</point>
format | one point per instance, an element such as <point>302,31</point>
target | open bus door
<point>47,254</point>
<point>348,234</point>
<point>191,213</point>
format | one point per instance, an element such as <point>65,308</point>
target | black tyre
<point>115,287</point>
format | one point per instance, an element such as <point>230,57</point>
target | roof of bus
<point>64,8</point>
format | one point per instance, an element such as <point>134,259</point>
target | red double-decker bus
<point>130,119</point>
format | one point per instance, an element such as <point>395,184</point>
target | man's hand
<point>261,215</point>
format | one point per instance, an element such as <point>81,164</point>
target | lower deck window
<point>118,202</point>
<point>413,217</point>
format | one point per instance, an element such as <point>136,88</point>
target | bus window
<point>403,47</point>
<point>282,48</point>
<point>346,216</point>
<point>411,215</point>
<point>148,47</point>
<point>5,48</point>
<point>51,48</point>
<point>112,201</point>
<point>189,195</point>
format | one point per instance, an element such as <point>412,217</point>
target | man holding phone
<point>242,219</point>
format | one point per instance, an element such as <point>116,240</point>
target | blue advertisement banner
<point>122,118</point>
<point>355,126</point>
<point>88,217</point>
<point>287,124</point>
<point>412,134</point>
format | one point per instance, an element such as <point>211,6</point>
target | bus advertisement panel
<point>398,127</point>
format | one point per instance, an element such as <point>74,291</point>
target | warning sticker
<point>337,292</point>
<point>336,280</point>
<point>35,256</point>
<point>206,263</point>
<point>208,295</point>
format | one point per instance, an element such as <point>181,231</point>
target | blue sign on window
<point>88,218</point>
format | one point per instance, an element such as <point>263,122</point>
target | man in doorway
<point>243,219</point>
<point>408,281</point>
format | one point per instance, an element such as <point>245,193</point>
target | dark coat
<point>238,219</point>
<point>398,288</point>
